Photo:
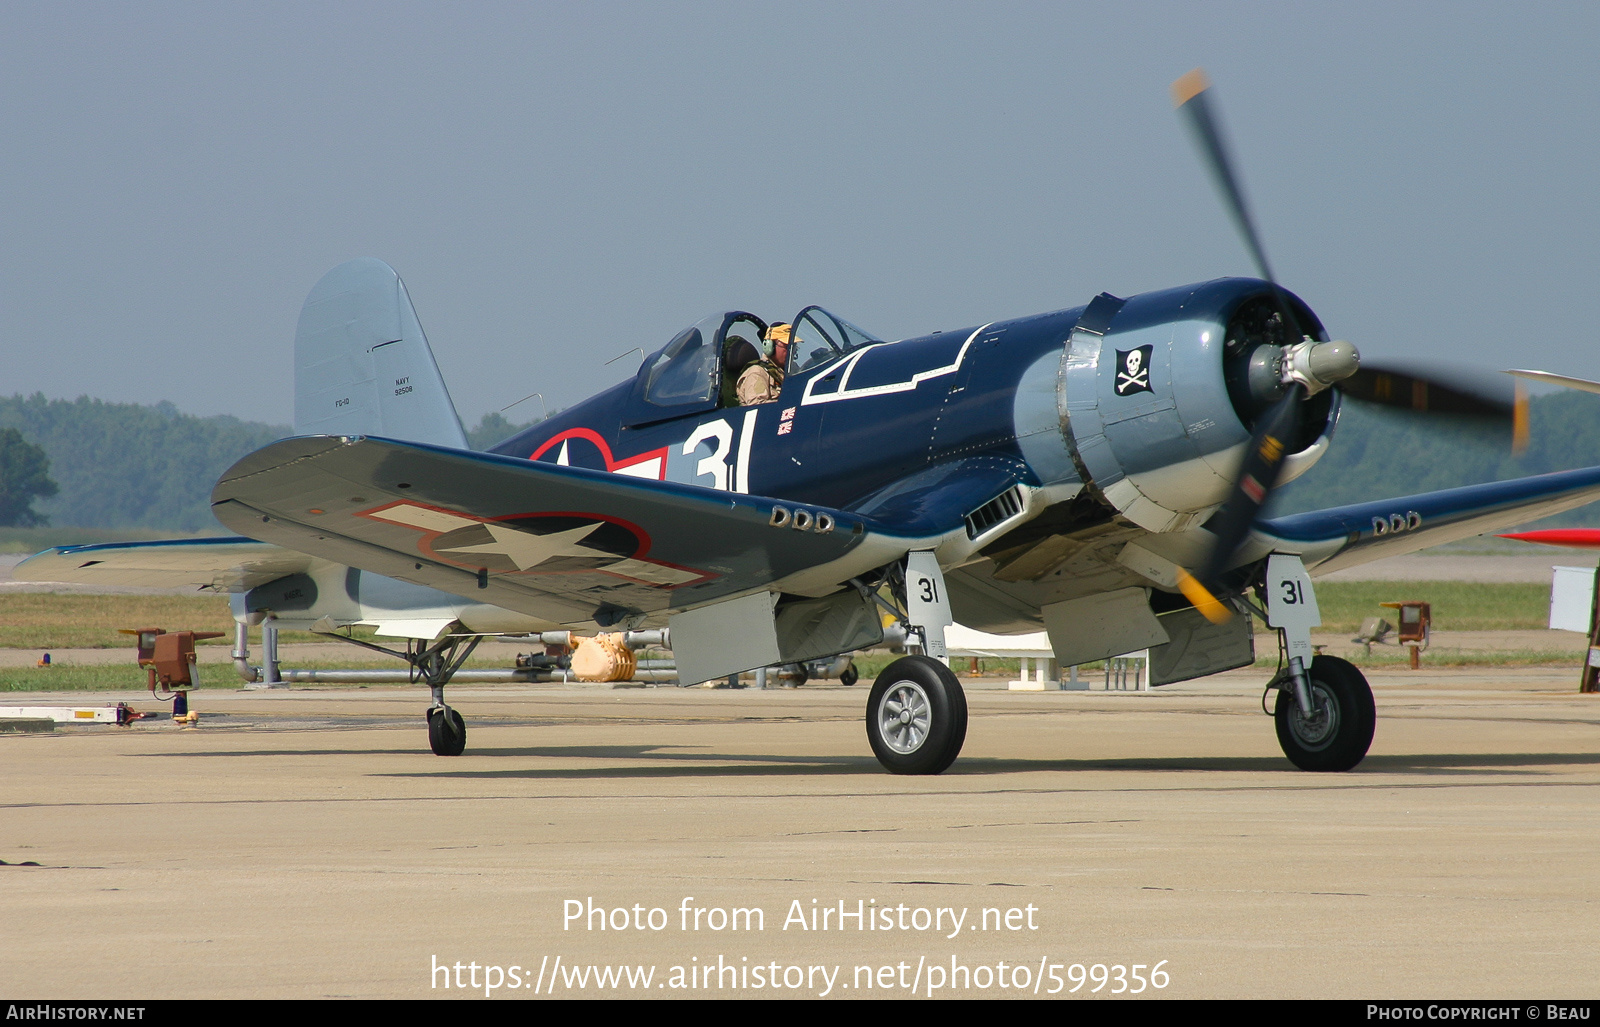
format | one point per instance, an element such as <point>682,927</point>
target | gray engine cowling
<point>1163,456</point>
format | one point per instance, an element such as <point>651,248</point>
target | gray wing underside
<point>549,541</point>
<point>984,596</point>
<point>1545,377</point>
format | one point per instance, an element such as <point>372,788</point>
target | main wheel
<point>447,732</point>
<point>916,716</point>
<point>1338,733</point>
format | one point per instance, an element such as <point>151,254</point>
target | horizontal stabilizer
<point>216,564</point>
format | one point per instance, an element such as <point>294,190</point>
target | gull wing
<point>564,543</point>
<point>1347,536</point>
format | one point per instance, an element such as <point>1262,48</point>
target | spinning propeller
<point>1278,377</point>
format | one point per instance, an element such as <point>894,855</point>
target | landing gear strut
<point>434,665</point>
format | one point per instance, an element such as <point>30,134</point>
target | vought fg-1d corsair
<point>761,492</point>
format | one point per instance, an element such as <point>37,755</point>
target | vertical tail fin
<point>362,365</point>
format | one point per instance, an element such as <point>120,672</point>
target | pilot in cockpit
<point>761,380</point>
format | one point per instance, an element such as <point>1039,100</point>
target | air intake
<point>1002,507</point>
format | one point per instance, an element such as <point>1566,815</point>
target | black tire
<point>1339,735</point>
<point>850,676</point>
<point>916,716</point>
<point>447,732</point>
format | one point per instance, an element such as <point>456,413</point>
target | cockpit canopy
<point>821,337</point>
<point>686,376</point>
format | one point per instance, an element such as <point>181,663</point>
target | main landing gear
<point>434,664</point>
<point>916,711</point>
<point>1325,714</point>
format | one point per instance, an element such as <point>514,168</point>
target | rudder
<point>362,365</point>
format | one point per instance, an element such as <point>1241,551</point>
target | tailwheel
<point>916,716</point>
<point>1339,731</point>
<point>447,732</point>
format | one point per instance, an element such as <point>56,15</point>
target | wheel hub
<point>905,715</point>
<point>1319,729</point>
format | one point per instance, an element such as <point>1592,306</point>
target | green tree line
<point>129,465</point>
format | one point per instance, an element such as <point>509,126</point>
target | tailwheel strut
<point>433,664</point>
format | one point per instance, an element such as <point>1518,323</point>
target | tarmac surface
<point>304,844</point>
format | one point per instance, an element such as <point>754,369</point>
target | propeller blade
<point>1478,395</point>
<point>1520,422</point>
<point>1258,474</point>
<point>1189,95</point>
<point>1488,396</point>
<point>1461,395</point>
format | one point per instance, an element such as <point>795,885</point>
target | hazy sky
<point>559,183</point>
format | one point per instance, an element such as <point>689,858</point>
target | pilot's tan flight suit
<point>760,383</point>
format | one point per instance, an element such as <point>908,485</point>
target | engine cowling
<point>1159,393</point>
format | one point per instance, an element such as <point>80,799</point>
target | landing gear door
<point>927,605</point>
<point>1292,604</point>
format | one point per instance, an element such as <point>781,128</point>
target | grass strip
<point>1454,605</point>
<point>61,620</point>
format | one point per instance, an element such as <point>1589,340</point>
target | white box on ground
<point>1571,598</point>
<point>965,641</point>
<point>62,714</point>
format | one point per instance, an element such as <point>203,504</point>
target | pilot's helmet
<point>776,333</point>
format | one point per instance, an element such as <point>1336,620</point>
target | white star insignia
<point>526,549</point>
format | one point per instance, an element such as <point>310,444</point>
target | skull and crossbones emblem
<point>1134,375</point>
